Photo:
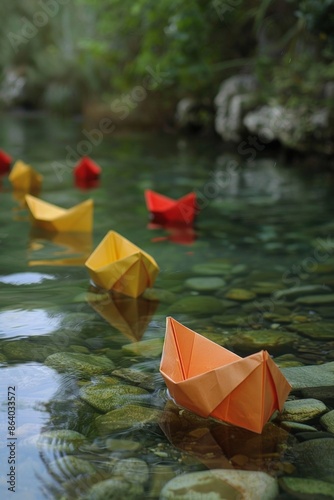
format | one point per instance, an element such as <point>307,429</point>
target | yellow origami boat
<point>119,265</point>
<point>78,219</point>
<point>24,178</point>
<point>212,381</point>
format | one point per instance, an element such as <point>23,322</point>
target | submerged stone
<point>25,350</point>
<point>70,467</point>
<point>133,470</point>
<point>199,304</point>
<point>301,410</point>
<point>159,295</point>
<point>212,268</point>
<point>126,417</point>
<point>240,294</point>
<point>80,364</point>
<point>306,488</point>
<point>298,291</point>
<point>111,489</point>
<point>137,377</point>
<point>219,484</point>
<point>206,284</point>
<point>263,339</point>
<point>151,348</point>
<point>106,398</point>
<point>62,440</point>
<point>327,421</point>
<point>315,458</point>
<point>311,376</point>
<point>316,299</point>
<point>323,330</point>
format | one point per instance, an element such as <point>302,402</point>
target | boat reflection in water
<point>58,249</point>
<point>130,316</point>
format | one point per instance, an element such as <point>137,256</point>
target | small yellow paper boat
<point>24,178</point>
<point>213,382</point>
<point>119,265</point>
<point>128,315</point>
<point>78,219</point>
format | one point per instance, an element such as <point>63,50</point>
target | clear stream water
<point>263,226</point>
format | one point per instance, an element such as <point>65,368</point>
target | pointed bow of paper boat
<point>53,218</point>
<point>214,382</point>
<point>119,265</point>
<point>5,162</point>
<point>86,170</point>
<point>164,209</point>
<point>24,178</point>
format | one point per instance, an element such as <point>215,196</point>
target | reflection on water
<point>128,315</point>
<point>262,229</point>
<point>15,323</point>
<point>58,249</point>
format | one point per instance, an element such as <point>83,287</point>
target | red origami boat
<point>86,172</point>
<point>5,162</point>
<point>164,209</point>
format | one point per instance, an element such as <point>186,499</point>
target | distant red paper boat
<point>5,162</point>
<point>164,209</point>
<point>86,170</point>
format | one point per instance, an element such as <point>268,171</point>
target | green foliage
<point>99,49</point>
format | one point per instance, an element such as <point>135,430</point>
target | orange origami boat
<point>78,219</point>
<point>164,209</point>
<point>214,382</point>
<point>128,315</point>
<point>119,265</point>
<point>86,170</point>
<point>5,162</point>
<point>24,178</point>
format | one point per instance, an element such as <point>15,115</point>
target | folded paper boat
<point>86,170</point>
<point>119,265</point>
<point>24,178</point>
<point>5,162</point>
<point>164,209</point>
<point>214,382</point>
<point>78,219</point>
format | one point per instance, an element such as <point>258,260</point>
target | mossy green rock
<point>133,470</point>
<point>115,489</point>
<point>205,284</point>
<point>159,295</point>
<point>25,350</point>
<point>137,377</point>
<point>263,339</point>
<point>81,364</point>
<point>106,398</point>
<point>62,440</point>
<point>301,410</point>
<point>323,330</point>
<point>151,348</point>
<point>199,304</point>
<point>220,484</point>
<point>70,467</point>
<point>126,417</point>
<point>212,268</point>
<point>316,299</point>
<point>306,488</point>
<point>240,294</point>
